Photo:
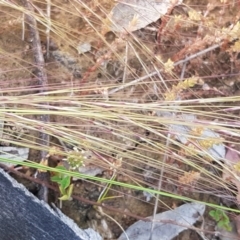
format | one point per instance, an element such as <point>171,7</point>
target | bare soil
<point>67,68</point>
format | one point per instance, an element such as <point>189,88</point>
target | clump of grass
<point>132,118</point>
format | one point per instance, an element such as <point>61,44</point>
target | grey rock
<point>167,224</point>
<point>24,217</point>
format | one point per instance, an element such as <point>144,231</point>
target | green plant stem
<point>117,183</point>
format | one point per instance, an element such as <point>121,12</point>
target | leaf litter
<point>133,16</point>
<point>167,224</point>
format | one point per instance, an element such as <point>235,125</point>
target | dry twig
<point>41,76</point>
<point>152,74</point>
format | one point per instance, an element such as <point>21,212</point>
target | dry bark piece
<point>41,76</point>
<point>167,224</point>
<point>14,153</point>
<point>132,15</point>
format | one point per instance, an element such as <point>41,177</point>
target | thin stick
<point>23,27</point>
<point>40,72</point>
<point>125,63</point>
<point>198,54</point>
<point>48,26</point>
<point>183,71</point>
<point>41,75</point>
<point>106,186</point>
<point>133,82</point>
<point>159,186</point>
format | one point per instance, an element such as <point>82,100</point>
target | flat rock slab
<point>167,224</point>
<point>24,217</point>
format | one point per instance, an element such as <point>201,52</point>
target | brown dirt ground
<point>65,68</point>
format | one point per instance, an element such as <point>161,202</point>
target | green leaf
<point>225,218</point>
<point>64,198</point>
<point>69,191</point>
<point>221,218</point>
<point>216,214</point>
<point>61,167</point>
<point>228,228</point>
<point>212,213</point>
<point>65,182</point>
<point>56,179</point>
<point>221,224</point>
<point>224,225</point>
<point>219,213</point>
<point>62,190</point>
<point>61,175</point>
